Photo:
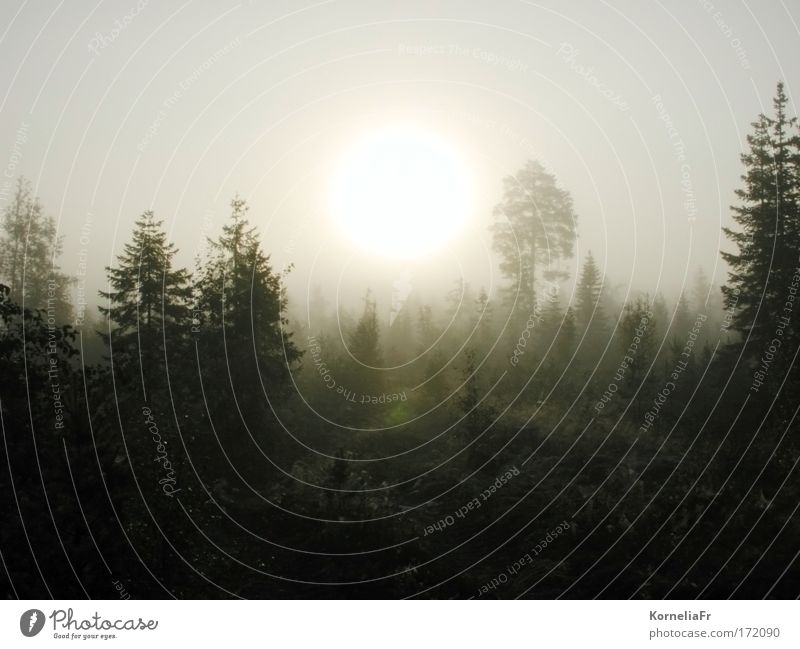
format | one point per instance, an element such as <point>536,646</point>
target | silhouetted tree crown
<point>29,249</point>
<point>146,294</point>
<point>534,228</point>
<point>767,239</point>
<point>241,302</point>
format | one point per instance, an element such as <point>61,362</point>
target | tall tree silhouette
<point>534,227</point>
<point>147,300</point>
<point>590,316</point>
<point>766,239</point>
<point>245,354</point>
<point>241,303</point>
<point>365,348</point>
<point>29,249</point>
<point>588,306</point>
<point>638,337</point>
<point>365,338</point>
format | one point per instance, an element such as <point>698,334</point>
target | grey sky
<point>187,103</point>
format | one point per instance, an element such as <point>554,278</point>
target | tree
<point>587,293</point>
<point>241,305</point>
<point>638,339</point>
<point>557,342</point>
<point>426,328</point>
<point>317,315</point>
<point>458,310</point>
<point>476,412</point>
<point>148,299</point>
<point>400,340</point>
<point>51,462</point>
<point>433,360</point>
<point>148,322</point>
<point>365,350</point>
<point>360,376</point>
<point>484,322</point>
<point>702,295</point>
<point>681,321</point>
<point>767,239</point>
<point>365,338</point>
<point>30,247</point>
<point>535,226</point>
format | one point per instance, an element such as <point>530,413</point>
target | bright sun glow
<point>401,193</point>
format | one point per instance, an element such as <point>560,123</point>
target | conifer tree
<point>241,304</point>
<point>361,376</point>
<point>147,315</point>
<point>29,248</point>
<point>767,238</point>
<point>638,337</point>
<point>365,338</point>
<point>426,328</point>
<point>483,329</point>
<point>588,307</point>
<point>702,297</point>
<point>147,299</point>
<point>680,320</point>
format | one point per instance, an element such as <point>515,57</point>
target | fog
<point>362,299</point>
<point>639,110</point>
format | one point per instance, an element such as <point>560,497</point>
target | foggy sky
<point>639,108</point>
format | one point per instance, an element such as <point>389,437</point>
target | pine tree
<point>241,305</point>
<point>557,345</point>
<point>638,336</point>
<point>767,238</point>
<point>535,227</point>
<point>361,375</point>
<point>702,297</point>
<point>680,321</point>
<point>458,303</point>
<point>484,322</point>
<point>426,328</point>
<point>364,341</point>
<point>317,316</point>
<point>148,299</point>
<point>433,360</point>
<point>678,337</point>
<point>28,252</point>
<point>588,307</point>
<point>400,338</point>
<point>148,322</point>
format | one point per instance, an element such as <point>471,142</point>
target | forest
<point>202,433</point>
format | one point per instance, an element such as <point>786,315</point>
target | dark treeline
<point>540,442</point>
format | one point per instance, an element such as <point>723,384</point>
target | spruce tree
<point>484,325</point>
<point>588,308</point>
<point>365,352</point>
<point>591,323</point>
<point>148,320</point>
<point>638,336</point>
<point>702,294</point>
<point>241,306</point>
<point>681,320</point>
<point>360,377</point>
<point>766,238</point>
<point>147,299</point>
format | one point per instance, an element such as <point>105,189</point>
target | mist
<point>374,300</point>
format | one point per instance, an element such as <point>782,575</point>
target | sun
<point>400,192</point>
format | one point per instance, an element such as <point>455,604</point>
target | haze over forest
<point>178,120</point>
<point>358,299</point>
